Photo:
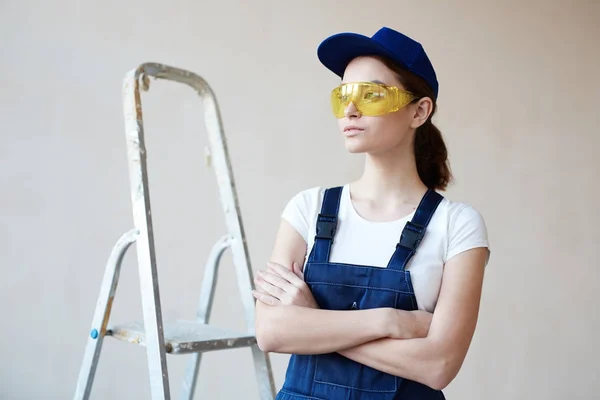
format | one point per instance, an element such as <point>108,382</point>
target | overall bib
<point>337,286</point>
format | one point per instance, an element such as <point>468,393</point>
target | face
<point>389,132</point>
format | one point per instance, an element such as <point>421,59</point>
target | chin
<point>355,148</point>
<point>357,144</point>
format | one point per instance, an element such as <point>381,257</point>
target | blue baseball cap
<point>338,50</point>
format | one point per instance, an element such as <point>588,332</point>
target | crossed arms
<point>427,348</point>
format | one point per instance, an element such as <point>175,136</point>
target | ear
<point>422,111</point>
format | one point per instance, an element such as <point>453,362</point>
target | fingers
<point>285,273</point>
<point>275,280</point>
<point>265,298</point>
<point>271,284</point>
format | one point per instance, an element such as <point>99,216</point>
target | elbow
<point>443,373</point>
<point>264,344</point>
<point>265,340</point>
<point>266,337</point>
<point>445,361</point>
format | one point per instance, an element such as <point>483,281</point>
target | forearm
<point>417,359</point>
<point>301,330</point>
<point>422,360</point>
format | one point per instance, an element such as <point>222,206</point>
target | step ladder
<point>181,337</point>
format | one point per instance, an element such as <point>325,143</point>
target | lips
<point>352,128</point>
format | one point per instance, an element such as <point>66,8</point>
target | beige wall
<point>518,106</point>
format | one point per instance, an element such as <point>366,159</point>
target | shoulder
<point>461,212</point>
<point>309,196</point>
<point>302,208</point>
<point>466,227</point>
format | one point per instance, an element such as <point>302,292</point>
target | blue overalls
<point>337,286</point>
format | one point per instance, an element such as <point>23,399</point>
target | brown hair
<point>431,154</point>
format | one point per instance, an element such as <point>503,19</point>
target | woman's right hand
<point>409,324</point>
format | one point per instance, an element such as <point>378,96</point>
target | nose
<point>351,111</point>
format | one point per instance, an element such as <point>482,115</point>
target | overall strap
<point>326,225</point>
<point>414,230</point>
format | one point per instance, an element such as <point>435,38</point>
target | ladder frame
<point>143,236</point>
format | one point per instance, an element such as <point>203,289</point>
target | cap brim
<point>336,52</point>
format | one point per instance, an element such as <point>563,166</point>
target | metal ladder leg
<point>203,314</point>
<point>104,304</point>
<point>264,374</point>
<point>142,217</point>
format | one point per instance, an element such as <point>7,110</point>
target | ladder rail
<point>209,281</point>
<point>207,294</point>
<point>104,304</point>
<point>264,374</point>
<point>142,217</point>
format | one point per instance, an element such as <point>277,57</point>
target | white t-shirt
<point>454,228</point>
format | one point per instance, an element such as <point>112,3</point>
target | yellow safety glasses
<point>370,99</point>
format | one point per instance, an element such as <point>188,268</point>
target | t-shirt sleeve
<point>468,231</point>
<point>298,210</point>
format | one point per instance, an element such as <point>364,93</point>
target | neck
<point>391,176</point>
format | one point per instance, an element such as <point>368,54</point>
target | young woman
<point>374,286</point>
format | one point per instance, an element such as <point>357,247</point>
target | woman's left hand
<point>277,285</point>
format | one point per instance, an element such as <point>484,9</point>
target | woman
<point>374,286</point>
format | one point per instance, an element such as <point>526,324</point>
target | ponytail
<point>431,156</point>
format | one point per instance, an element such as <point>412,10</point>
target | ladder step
<point>184,337</point>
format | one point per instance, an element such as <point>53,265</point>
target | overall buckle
<point>326,226</point>
<point>412,235</point>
